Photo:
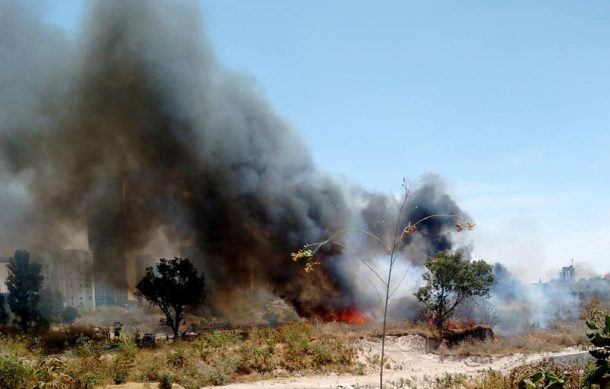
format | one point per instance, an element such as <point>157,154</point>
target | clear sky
<point>508,101</point>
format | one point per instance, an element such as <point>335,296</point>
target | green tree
<point>173,285</point>
<point>24,282</point>
<point>392,247</point>
<point>69,314</point>
<point>450,280</point>
<point>50,307</point>
<point>4,313</point>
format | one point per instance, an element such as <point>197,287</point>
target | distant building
<point>137,271</point>
<point>71,273</point>
<point>106,233</point>
<point>142,262</point>
<point>568,273</point>
<point>3,273</point>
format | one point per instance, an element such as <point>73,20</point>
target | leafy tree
<point>450,280</point>
<point>24,282</point>
<point>50,307</point>
<point>69,314</point>
<point>173,285</point>
<point>4,313</point>
<point>391,245</point>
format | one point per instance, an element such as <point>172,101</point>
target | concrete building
<point>71,273</point>
<point>568,273</point>
<point>136,272</point>
<point>3,273</point>
<point>106,234</point>
<point>142,262</point>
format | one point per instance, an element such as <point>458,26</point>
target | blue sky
<point>507,101</point>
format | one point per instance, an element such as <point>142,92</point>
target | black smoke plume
<point>130,129</point>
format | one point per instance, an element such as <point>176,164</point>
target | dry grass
<point>491,379</point>
<point>214,358</point>
<point>555,338</point>
<point>234,355</point>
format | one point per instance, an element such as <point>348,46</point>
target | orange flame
<point>349,315</point>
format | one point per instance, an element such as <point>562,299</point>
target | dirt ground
<point>408,362</point>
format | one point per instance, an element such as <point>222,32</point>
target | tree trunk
<point>176,323</point>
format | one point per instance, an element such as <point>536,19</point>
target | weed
<point>166,381</point>
<point>297,335</point>
<point>177,357</point>
<point>90,381</point>
<point>216,377</point>
<point>14,373</point>
<point>255,357</point>
<point>119,376</point>
<point>360,369</point>
<point>449,380</point>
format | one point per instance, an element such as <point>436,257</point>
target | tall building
<point>568,273</point>
<point>142,262</point>
<point>105,230</point>
<point>71,273</point>
<point>136,269</point>
<point>3,273</point>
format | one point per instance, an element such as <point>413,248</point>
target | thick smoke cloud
<point>132,127</point>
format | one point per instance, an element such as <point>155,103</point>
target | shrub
<point>218,339</point>
<point>600,340</point>
<point>90,381</point>
<point>14,373</point>
<point>166,381</point>
<point>218,377</point>
<point>56,341</point>
<point>177,357</point>
<point>296,336</point>
<point>255,356</point>
<point>128,349</point>
<point>322,353</point>
<point>84,347</point>
<point>543,379</point>
<point>448,380</point>
<point>119,376</point>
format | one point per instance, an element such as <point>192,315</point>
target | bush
<point>297,336</point>
<point>90,381</point>
<point>543,379</point>
<point>69,314</point>
<point>218,377</point>
<point>218,339</point>
<point>177,358</point>
<point>56,341</point>
<point>14,373</point>
<point>449,380</point>
<point>600,350</point>
<point>166,381</point>
<point>322,353</point>
<point>119,376</point>
<point>255,357</point>
<point>127,349</point>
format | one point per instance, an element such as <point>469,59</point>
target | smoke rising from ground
<point>132,127</point>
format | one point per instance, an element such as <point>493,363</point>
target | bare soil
<point>408,365</point>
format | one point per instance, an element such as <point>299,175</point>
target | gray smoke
<point>132,127</point>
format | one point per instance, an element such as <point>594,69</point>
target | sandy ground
<point>409,365</point>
